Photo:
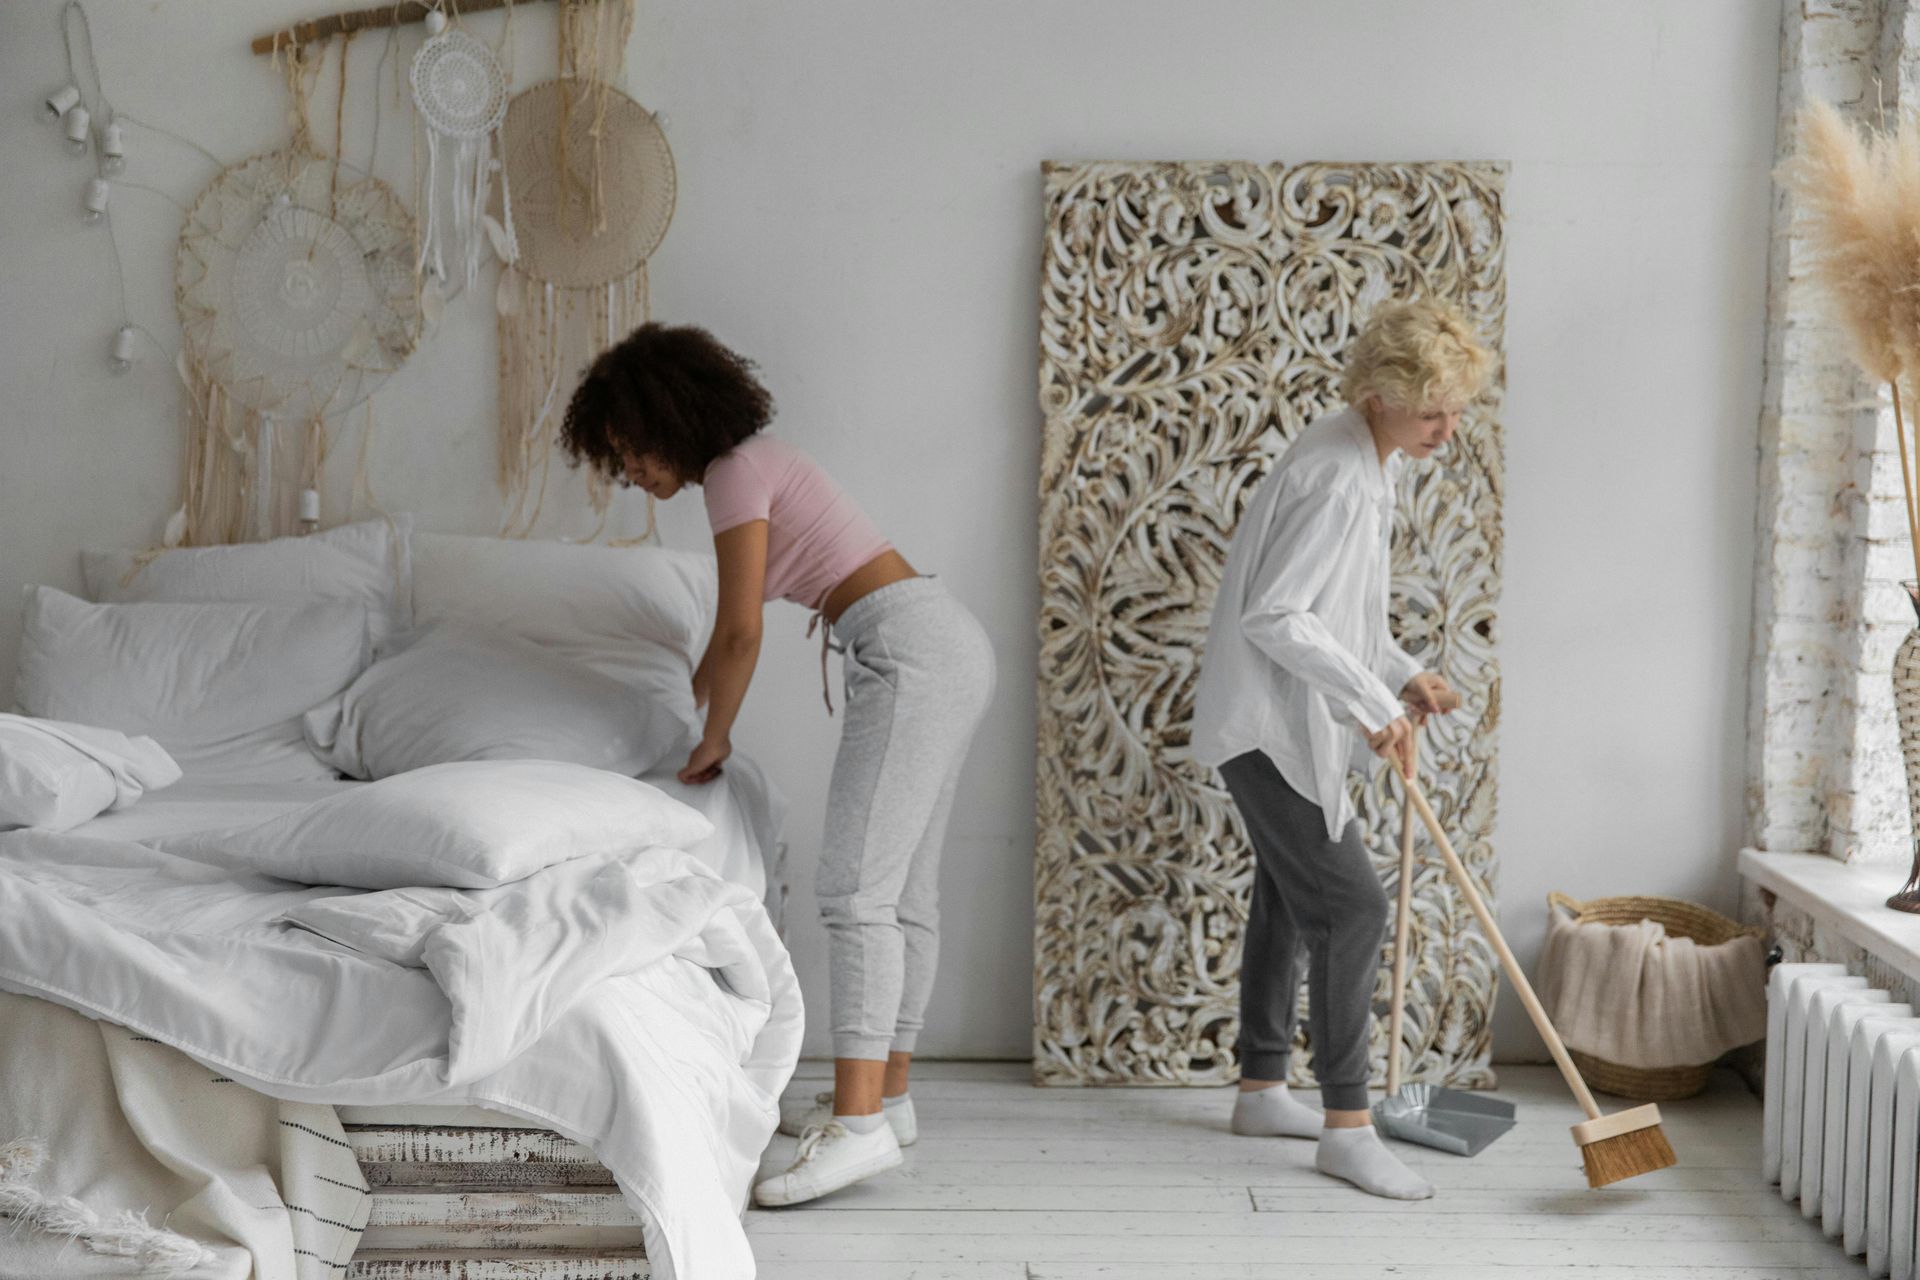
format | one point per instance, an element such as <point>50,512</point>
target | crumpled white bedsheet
<point>45,780</point>
<point>635,1002</point>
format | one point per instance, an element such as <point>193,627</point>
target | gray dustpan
<point>1444,1119</point>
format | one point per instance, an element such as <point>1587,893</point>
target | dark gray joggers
<point>1314,900</point>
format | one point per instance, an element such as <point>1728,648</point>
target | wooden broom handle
<point>1512,966</point>
<point>1400,926</point>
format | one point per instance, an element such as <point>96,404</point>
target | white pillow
<point>55,775</point>
<point>637,614</point>
<point>456,691</point>
<point>365,563</point>
<point>221,687</point>
<point>471,825</point>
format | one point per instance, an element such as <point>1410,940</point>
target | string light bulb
<point>59,102</point>
<point>78,123</point>
<point>123,348</point>
<point>93,204</point>
<point>113,148</point>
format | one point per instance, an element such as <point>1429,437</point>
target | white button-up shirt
<point>1299,658</point>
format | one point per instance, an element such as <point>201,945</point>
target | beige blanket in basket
<point>1632,995</point>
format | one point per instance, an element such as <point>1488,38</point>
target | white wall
<point>859,209</point>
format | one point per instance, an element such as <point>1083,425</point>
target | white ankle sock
<point>1358,1156</point>
<point>861,1124</point>
<point>898,1100</point>
<point>1274,1113</point>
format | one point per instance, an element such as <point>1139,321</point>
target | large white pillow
<point>221,687</point>
<point>637,614</point>
<point>454,690</point>
<point>365,563</point>
<point>55,775</point>
<point>471,825</point>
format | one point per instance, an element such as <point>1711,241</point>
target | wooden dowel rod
<point>391,15</point>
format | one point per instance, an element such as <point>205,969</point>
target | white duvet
<point>636,1002</point>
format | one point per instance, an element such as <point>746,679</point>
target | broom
<point>1623,1145</point>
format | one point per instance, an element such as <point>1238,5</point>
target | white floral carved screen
<point>1193,320</point>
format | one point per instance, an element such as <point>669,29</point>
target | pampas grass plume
<point>1858,197</point>
<point>1858,200</point>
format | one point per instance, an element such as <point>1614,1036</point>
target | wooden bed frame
<point>486,1199</point>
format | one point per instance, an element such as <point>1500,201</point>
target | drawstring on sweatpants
<point>826,642</point>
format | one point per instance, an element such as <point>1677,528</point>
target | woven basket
<point>1680,919</point>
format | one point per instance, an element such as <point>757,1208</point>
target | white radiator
<point>1841,1132</point>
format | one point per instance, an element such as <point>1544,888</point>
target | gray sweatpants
<point>919,673</point>
<point>1314,898</point>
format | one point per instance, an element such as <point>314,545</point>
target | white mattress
<point>746,812</point>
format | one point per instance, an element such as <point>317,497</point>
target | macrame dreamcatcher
<point>594,191</point>
<point>295,287</point>
<point>460,91</point>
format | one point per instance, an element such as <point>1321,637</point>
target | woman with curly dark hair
<point>671,406</point>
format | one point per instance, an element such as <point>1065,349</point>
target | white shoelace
<point>812,1137</point>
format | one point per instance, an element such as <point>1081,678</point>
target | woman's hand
<point>1429,695</point>
<point>703,766</point>
<point>1395,743</point>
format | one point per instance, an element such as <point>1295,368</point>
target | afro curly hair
<point>672,391</point>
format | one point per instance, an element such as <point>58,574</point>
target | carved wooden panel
<point>1193,319</point>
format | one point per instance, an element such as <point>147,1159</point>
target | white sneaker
<point>831,1157</point>
<point>797,1118</point>
<point>900,1118</point>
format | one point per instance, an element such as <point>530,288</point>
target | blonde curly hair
<point>1417,356</point>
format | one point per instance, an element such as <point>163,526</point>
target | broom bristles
<point>1627,1155</point>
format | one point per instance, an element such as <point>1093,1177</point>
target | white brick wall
<point>1825,767</point>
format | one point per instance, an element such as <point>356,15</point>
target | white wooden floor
<point>1010,1182</point>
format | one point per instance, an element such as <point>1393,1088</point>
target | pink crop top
<point>816,536</point>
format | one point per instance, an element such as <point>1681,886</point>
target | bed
<point>664,1053</point>
<point>467,1192</point>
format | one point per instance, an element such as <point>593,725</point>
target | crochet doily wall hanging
<point>593,182</point>
<point>593,192</point>
<point>295,288</point>
<point>460,91</point>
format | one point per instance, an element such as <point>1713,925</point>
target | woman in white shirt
<point>1300,674</point>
